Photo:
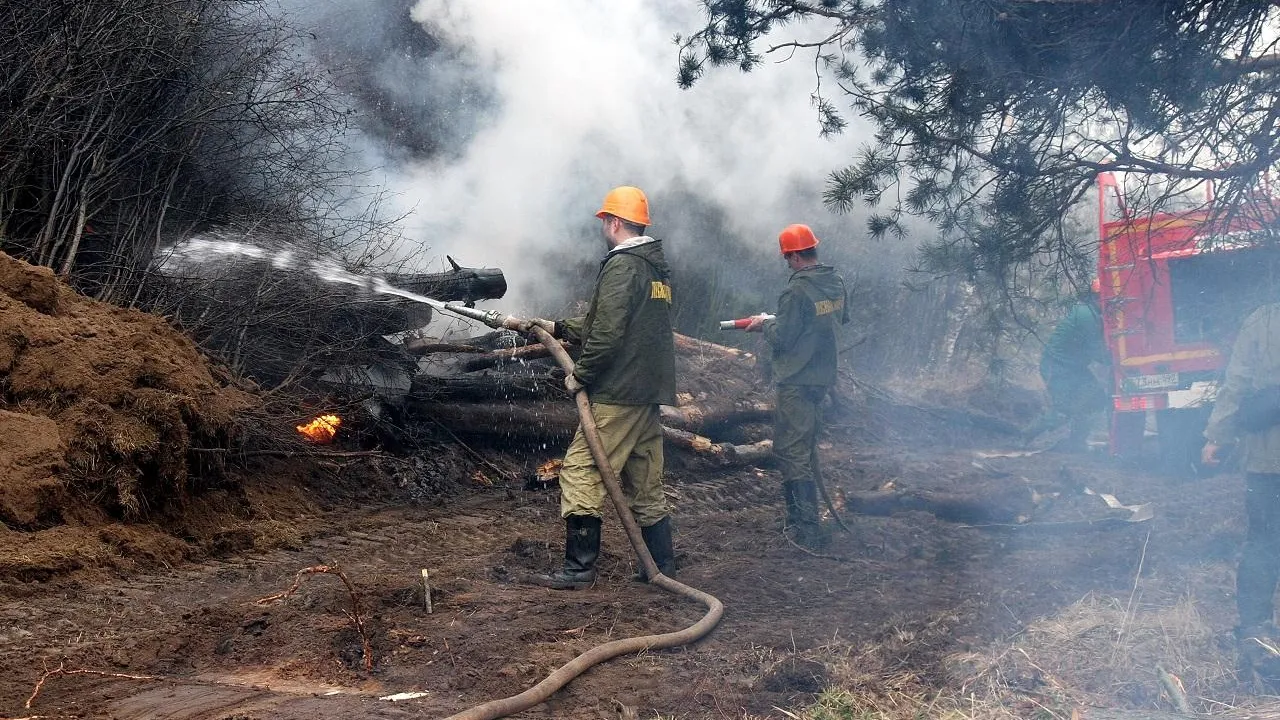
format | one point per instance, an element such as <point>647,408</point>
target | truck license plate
<point>1153,382</point>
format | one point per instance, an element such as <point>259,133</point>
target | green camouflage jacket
<point>803,335</point>
<point>628,351</point>
<point>1254,364</point>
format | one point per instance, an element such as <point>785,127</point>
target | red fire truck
<point>1175,286</point>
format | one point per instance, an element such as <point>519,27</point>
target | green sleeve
<point>571,328</point>
<point>783,331</point>
<point>616,294</point>
<point>1238,381</point>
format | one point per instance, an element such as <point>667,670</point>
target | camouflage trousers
<point>796,421</point>
<point>632,438</point>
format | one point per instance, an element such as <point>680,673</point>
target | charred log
<point>952,508</point>
<point>486,387</point>
<point>530,421</point>
<point>554,421</point>
<point>459,283</point>
<point>421,347</point>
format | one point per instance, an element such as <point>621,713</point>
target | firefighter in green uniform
<point>1247,408</point>
<point>628,368</point>
<point>1075,394</point>
<point>803,342</point>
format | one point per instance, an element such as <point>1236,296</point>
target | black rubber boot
<point>802,514</point>
<point>581,549</point>
<point>657,537</point>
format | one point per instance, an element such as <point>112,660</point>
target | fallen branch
<point>949,415</point>
<point>705,347</point>
<point>551,421</point>
<point>480,458</point>
<point>1173,687</point>
<point>355,603</point>
<point>499,357</point>
<point>724,453</point>
<point>62,670</point>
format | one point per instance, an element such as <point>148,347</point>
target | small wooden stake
<point>426,590</point>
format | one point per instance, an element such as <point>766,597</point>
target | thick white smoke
<point>586,99</point>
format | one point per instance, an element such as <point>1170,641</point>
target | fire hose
<point>566,673</point>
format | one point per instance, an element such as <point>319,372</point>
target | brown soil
<point>903,593</point>
<point>103,412</point>
<point>991,542</point>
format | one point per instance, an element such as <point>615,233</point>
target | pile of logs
<point>498,387</point>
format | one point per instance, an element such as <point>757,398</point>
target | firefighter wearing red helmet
<point>802,338</point>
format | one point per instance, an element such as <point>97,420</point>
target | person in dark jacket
<point>1247,409</point>
<point>1075,394</point>
<point>628,368</point>
<point>802,338</point>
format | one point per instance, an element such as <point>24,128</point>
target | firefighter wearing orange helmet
<point>802,338</point>
<point>628,366</point>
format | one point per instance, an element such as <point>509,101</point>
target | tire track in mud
<point>173,623</point>
<point>105,626</point>
<point>728,493</point>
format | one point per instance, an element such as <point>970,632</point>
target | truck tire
<point>1180,436</point>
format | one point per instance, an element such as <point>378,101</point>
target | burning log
<point>322,429</point>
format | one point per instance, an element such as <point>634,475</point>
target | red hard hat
<point>794,238</point>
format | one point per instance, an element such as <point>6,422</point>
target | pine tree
<point>992,118</point>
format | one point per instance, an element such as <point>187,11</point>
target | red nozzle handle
<point>741,323</point>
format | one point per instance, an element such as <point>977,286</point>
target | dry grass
<point>1096,660</point>
<point>1101,652</point>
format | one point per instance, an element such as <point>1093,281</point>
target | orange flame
<point>322,429</point>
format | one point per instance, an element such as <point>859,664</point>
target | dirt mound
<point>100,406</point>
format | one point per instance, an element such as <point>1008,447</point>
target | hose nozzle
<point>492,318</point>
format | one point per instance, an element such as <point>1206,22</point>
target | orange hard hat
<point>1096,285</point>
<point>794,238</point>
<point>628,203</point>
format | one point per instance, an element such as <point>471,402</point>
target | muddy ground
<point>914,588</point>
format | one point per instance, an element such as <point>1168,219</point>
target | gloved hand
<point>573,384</point>
<point>757,323</point>
<point>548,325</point>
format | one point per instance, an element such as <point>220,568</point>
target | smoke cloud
<point>586,99</point>
<point>500,125</point>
